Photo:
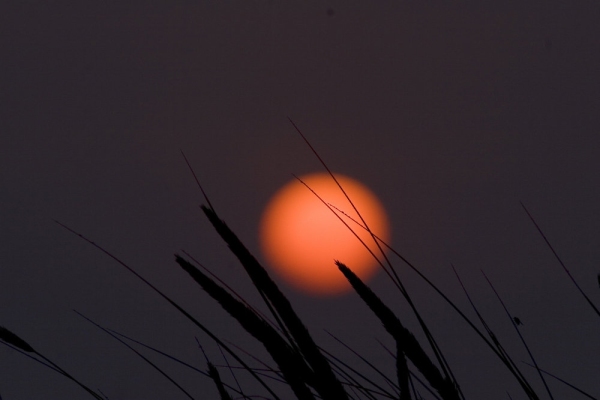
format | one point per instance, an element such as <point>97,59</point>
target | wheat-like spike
<point>402,372</point>
<point>326,383</point>
<point>408,343</point>
<point>293,367</point>
<point>11,338</point>
<point>214,374</point>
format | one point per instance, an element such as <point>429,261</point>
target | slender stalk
<point>13,340</point>
<point>138,353</point>
<point>520,335</point>
<point>589,396</point>
<point>501,352</point>
<point>177,307</point>
<point>393,384</point>
<point>560,261</point>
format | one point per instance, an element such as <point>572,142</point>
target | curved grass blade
<point>231,372</point>
<point>264,364</point>
<point>520,335</point>
<point>345,195</point>
<point>177,307</point>
<point>197,181</point>
<point>561,262</point>
<point>435,347</point>
<point>367,362</point>
<point>171,357</point>
<point>138,353</point>
<point>508,362</point>
<point>380,390</point>
<point>589,396</point>
<point>352,381</point>
<point>28,355</point>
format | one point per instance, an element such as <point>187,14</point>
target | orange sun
<point>301,237</point>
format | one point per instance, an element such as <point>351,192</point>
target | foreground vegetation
<point>309,371</point>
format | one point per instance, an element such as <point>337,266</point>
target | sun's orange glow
<point>301,237</point>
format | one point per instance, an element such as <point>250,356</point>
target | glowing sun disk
<point>301,237</point>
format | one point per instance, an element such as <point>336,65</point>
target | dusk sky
<point>452,114</point>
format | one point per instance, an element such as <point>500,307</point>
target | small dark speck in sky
<point>330,12</point>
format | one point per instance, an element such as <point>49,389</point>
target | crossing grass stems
<point>310,371</point>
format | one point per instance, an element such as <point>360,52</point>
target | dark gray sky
<point>452,114</point>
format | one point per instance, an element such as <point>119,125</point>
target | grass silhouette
<point>309,371</point>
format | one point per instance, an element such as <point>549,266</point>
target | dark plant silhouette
<point>310,371</point>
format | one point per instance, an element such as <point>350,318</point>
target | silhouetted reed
<point>407,344</point>
<point>325,382</point>
<point>291,364</point>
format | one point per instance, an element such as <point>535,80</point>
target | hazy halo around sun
<point>300,237</point>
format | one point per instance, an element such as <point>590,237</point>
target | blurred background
<point>451,113</point>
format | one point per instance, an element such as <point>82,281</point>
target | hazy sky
<point>451,114</point>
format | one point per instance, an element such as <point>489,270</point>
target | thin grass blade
<point>561,262</point>
<point>520,335</point>
<point>153,365</point>
<point>178,308</point>
<point>589,396</point>
<point>504,356</point>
